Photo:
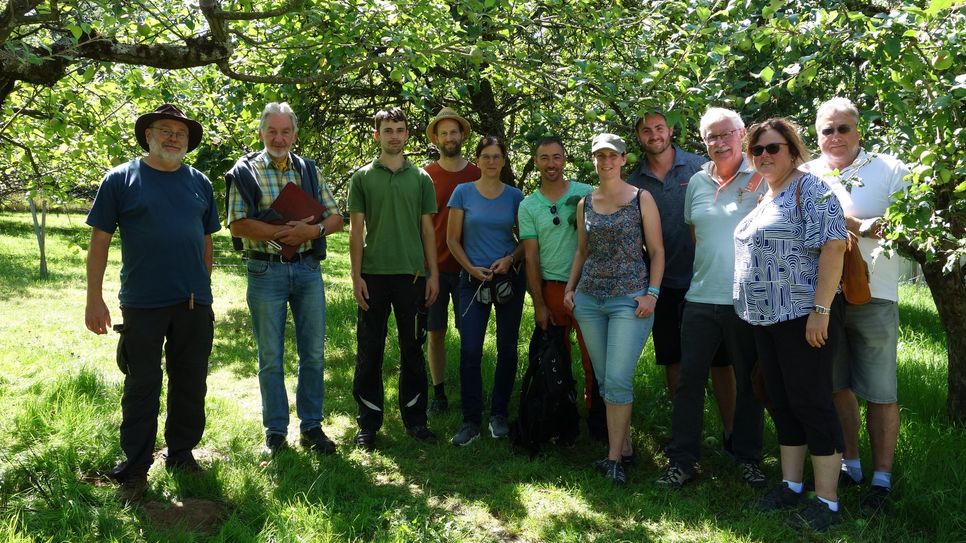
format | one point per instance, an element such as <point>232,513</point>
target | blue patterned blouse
<point>777,248</point>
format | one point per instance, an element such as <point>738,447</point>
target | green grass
<point>60,391</point>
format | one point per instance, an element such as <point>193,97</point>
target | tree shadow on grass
<point>922,321</point>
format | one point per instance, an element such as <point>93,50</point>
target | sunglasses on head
<point>772,148</point>
<point>842,129</point>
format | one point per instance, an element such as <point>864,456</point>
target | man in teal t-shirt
<point>392,246</point>
<point>548,230</point>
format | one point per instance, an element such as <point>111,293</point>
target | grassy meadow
<point>60,399</point>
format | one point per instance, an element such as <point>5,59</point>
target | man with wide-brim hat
<point>166,213</point>
<point>447,131</point>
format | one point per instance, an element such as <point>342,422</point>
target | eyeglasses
<point>772,148</point>
<point>712,138</point>
<point>842,129</point>
<point>572,219</point>
<point>165,133</point>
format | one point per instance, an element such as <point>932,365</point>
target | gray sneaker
<point>673,478</point>
<point>467,434</point>
<point>752,475</point>
<point>498,426</point>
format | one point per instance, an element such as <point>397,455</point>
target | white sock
<point>834,506</point>
<point>854,468</point>
<point>796,487</point>
<point>882,478</point>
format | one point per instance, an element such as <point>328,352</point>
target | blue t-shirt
<point>487,224</point>
<point>163,218</point>
<point>777,246</point>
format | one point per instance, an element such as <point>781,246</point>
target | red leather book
<point>294,204</point>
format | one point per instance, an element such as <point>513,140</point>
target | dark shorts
<point>438,313</point>
<point>667,326</point>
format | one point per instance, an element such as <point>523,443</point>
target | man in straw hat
<point>447,131</point>
<point>166,213</point>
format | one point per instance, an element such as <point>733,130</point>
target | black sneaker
<point>421,433</point>
<point>616,473</point>
<point>467,434</point>
<point>132,489</point>
<point>498,426</point>
<point>674,477</point>
<point>185,464</point>
<point>846,480</point>
<point>879,499</point>
<point>602,465</point>
<point>274,444</point>
<point>365,439</point>
<point>780,498</point>
<point>437,406</point>
<point>316,440</point>
<point>752,475</point>
<point>816,516</point>
<point>628,460</point>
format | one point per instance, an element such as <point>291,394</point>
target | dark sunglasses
<point>553,211</point>
<point>842,129</point>
<point>572,219</point>
<point>772,148</point>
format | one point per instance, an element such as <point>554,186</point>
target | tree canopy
<point>74,74</point>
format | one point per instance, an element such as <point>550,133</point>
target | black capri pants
<point>798,379</point>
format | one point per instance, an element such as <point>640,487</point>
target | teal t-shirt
<point>714,216</point>
<point>393,203</point>
<point>558,242</point>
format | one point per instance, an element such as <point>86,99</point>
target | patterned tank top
<point>615,257</point>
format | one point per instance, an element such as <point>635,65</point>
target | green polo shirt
<point>558,242</point>
<point>393,203</point>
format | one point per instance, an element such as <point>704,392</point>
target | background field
<point>60,390</point>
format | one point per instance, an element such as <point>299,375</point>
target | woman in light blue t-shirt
<point>481,236</point>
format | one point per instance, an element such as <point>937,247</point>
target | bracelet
<point>321,230</point>
<point>654,291</point>
<point>822,310</point>
<point>656,297</point>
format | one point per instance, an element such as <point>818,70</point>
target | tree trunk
<point>491,122</point>
<point>40,230</point>
<point>949,293</point>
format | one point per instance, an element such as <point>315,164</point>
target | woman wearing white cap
<point>612,289</point>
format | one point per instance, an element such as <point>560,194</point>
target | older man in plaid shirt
<point>275,282</point>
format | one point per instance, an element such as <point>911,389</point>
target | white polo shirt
<point>876,181</point>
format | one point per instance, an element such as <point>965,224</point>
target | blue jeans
<point>272,286</point>
<point>472,333</point>
<point>615,337</point>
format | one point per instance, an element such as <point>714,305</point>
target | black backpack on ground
<point>548,403</point>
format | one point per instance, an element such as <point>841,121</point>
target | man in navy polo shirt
<point>165,212</point>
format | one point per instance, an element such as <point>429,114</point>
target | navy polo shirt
<point>669,197</point>
<point>163,218</point>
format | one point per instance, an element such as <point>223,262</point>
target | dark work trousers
<point>185,336</point>
<point>707,329</point>
<point>404,295</point>
<point>798,379</point>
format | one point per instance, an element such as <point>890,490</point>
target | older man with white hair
<point>276,282</point>
<point>725,190</point>
<point>866,184</point>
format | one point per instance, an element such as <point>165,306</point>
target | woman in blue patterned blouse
<point>788,264</point>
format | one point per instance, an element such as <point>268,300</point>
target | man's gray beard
<point>273,154</point>
<point>156,149</point>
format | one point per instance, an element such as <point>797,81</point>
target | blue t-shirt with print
<point>777,247</point>
<point>163,218</point>
<point>487,224</point>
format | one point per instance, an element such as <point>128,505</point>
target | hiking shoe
<point>780,498</point>
<point>879,499</point>
<point>316,440</point>
<point>673,478</point>
<point>365,439</point>
<point>186,464</point>
<point>628,459</point>
<point>615,472</point>
<point>816,516</point>
<point>132,489</point>
<point>274,444</point>
<point>846,480</point>
<point>467,434</point>
<point>602,465</point>
<point>498,426</point>
<point>437,406</point>
<point>752,475</point>
<point>421,433</point>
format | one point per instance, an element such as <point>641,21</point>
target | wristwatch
<point>321,230</point>
<point>822,310</point>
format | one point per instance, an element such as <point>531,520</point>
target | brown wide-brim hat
<point>167,111</point>
<point>447,113</point>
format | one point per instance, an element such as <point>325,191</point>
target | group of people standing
<point>730,263</point>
